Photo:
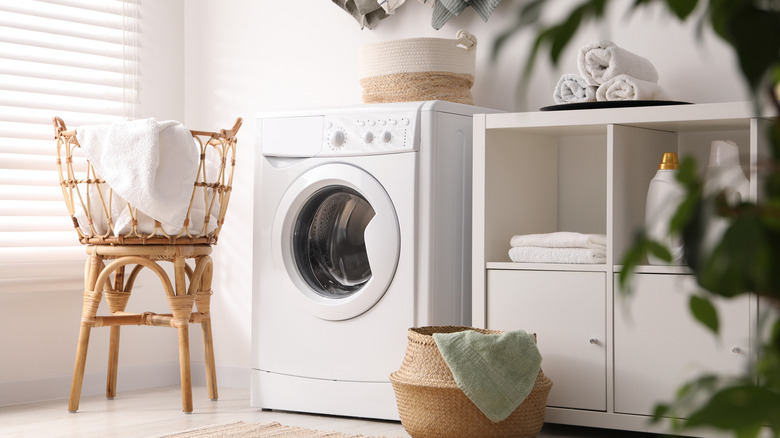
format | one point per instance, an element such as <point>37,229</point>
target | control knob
<point>337,139</point>
<point>386,137</point>
<point>368,137</point>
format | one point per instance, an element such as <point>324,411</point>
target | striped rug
<point>259,430</point>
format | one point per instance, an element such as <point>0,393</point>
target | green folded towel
<point>497,372</point>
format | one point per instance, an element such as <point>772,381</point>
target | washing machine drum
<point>339,241</point>
<point>329,243</point>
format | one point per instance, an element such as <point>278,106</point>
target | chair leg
<point>208,347</point>
<point>78,370</point>
<point>91,301</point>
<point>203,303</point>
<point>184,369</point>
<point>113,362</point>
<point>117,302</point>
<point>181,307</point>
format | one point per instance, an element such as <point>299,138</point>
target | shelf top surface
<point>514,266</point>
<point>731,115</point>
<point>641,269</point>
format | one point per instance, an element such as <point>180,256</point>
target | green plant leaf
<point>703,310</point>
<point>638,3</point>
<point>685,212</point>
<point>660,411</point>
<point>563,33</point>
<point>739,408</point>
<point>499,43</point>
<point>529,63</point>
<point>690,219</point>
<point>742,261</point>
<point>756,35</point>
<point>526,17</point>
<point>749,432</point>
<point>753,30</point>
<point>531,12</point>
<point>706,382</point>
<point>631,259</point>
<point>682,8</point>
<point>659,250</point>
<point>768,366</point>
<point>772,184</point>
<point>688,174</point>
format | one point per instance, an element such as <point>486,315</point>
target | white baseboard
<point>58,387</point>
<point>227,377</point>
<point>234,377</point>
<point>129,379</point>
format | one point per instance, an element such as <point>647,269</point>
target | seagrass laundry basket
<point>417,69</point>
<point>431,405</point>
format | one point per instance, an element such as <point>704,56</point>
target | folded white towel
<point>625,87</point>
<point>534,254</point>
<point>150,164</point>
<point>602,61</point>
<point>573,88</point>
<point>561,239</point>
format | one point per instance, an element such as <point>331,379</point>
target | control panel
<point>368,133</point>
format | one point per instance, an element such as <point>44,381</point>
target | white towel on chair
<point>602,61</point>
<point>573,88</point>
<point>150,164</point>
<point>534,254</point>
<point>200,203</point>
<point>560,239</point>
<point>625,87</point>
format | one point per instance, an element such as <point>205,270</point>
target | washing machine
<point>362,230</point>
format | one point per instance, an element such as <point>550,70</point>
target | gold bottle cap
<point>669,161</point>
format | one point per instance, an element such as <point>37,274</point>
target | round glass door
<point>339,241</point>
<point>329,242</point>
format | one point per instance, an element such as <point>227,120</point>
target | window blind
<point>76,59</point>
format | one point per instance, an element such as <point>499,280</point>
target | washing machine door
<point>339,240</point>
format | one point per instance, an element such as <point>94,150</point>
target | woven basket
<point>417,69</point>
<point>94,207</point>
<point>431,404</point>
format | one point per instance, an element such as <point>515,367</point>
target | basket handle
<point>465,39</point>
<point>232,131</point>
<point>59,126</point>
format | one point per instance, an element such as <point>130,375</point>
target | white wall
<point>247,56</point>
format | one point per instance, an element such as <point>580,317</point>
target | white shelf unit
<point>588,171</point>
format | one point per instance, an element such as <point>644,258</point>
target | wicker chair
<point>112,252</point>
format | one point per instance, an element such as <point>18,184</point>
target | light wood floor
<point>155,412</point>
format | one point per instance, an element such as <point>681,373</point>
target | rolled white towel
<point>560,239</point>
<point>573,88</point>
<point>625,87</point>
<point>534,254</point>
<point>602,61</point>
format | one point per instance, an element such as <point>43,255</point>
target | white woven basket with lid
<point>417,69</point>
